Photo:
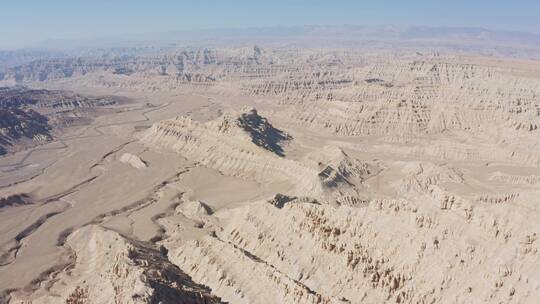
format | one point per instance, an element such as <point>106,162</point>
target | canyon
<point>265,174</point>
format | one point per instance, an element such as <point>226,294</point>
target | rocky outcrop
<point>14,200</point>
<point>30,117</point>
<point>19,125</point>
<point>246,145</point>
<point>230,144</point>
<point>301,252</point>
<point>262,133</point>
<point>49,99</point>
<point>421,176</point>
<point>193,209</point>
<point>516,179</point>
<point>110,267</point>
<point>133,160</point>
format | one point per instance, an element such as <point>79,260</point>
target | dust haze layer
<point>274,174</point>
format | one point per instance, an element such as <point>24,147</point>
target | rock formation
<point>350,177</point>
<point>246,145</point>
<point>17,125</point>
<point>133,160</point>
<point>110,268</point>
<point>311,253</point>
<point>30,117</point>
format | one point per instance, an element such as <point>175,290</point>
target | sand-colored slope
<point>233,146</point>
<point>387,251</point>
<point>112,269</point>
<point>360,178</point>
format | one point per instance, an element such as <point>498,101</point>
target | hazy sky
<point>25,21</point>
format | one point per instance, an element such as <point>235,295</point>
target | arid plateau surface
<point>270,175</point>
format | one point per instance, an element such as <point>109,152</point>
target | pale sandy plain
<point>343,178</point>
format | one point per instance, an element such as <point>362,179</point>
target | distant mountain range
<point>454,39</point>
<point>303,34</point>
